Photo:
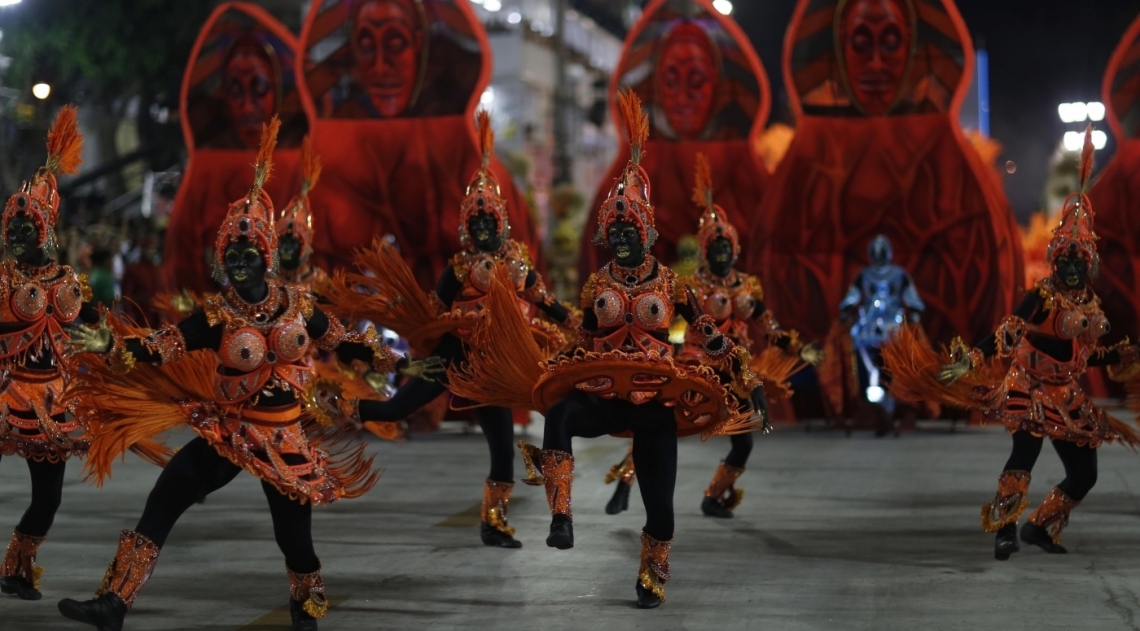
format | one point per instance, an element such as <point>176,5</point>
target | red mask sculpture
<point>687,74</point>
<point>387,42</point>
<point>251,90</point>
<point>875,42</point>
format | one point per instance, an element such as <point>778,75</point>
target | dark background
<point>1042,53</point>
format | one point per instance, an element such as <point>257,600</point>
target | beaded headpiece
<point>483,194</point>
<point>39,199</point>
<point>1076,227</point>
<point>628,199</point>
<point>251,217</point>
<point>297,218</point>
<point>714,222</point>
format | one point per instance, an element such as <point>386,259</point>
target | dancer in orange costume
<point>1050,342</point>
<point>244,400</point>
<point>621,378</point>
<point>442,321</point>
<point>735,300</point>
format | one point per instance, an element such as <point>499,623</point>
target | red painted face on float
<point>686,77</point>
<point>386,44</point>
<point>875,39</point>
<point>251,91</point>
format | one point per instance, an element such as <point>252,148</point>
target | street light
<point>40,90</point>
<point>8,3</point>
<point>1080,112</point>
<point>724,6</point>
<point>492,5</point>
<point>1075,140</point>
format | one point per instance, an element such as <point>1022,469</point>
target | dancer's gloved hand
<point>378,381</point>
<point>183,302</point>
<point>760,408</point>
<point>429,369</point>
<point>90,340</point>
<point>955,371</point>
<point>811,354</point>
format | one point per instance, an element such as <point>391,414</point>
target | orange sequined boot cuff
<point>721,488</point>
<point>558,474</point>
<point>308,589</point>
<point>623,470</point>
<point>1053,513</point>
<point>132,567</point>
<point>20,559</point>
<point>1009,503</point>
<point>654,570</point>
<point>496,498</point>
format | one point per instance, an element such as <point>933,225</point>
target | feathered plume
<point>264,165</point>
<point>635,121</point>
<point>310,167</point>
<point>65,143</point>
<point>703,189</point>
<point>486,136</point>
<point>1086,159</point>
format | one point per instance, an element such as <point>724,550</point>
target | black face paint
<point>1071,269</point>
<point>719,256</point>
<point>22,241</point>
<point>625,243</point>
<point>289,252</point>
<point>483,231</point>
<point>245,269</point>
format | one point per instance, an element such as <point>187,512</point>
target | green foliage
<point>115,46</point>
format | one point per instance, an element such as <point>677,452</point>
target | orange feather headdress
<point>714,222</point>
<point>297,218</point>
<point>483,195</point>
<point>251,217</point>
<point>629,198</point>
<point>39,198</point>
<point>1076,227</point>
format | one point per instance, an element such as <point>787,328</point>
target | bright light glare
<point>488,96</point>
<point>41,91</point>
<point>8,3</point>
<point>1079,112</point>
<point>875,394</point>
<point>492,5</point>
<point>724,6</point>
<point>1099,138</point>
<point>515,17</point>
<point>1073,141</point>
<point>477,1</point>
<point>1096,111</point>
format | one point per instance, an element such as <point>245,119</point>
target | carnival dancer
<point>244,400</point>
<point>444,324</point>
<point>735,300</point>
<point>38,298</point>
<point>1050,340</point>
<point>622,378</point>
<point>880,300</point>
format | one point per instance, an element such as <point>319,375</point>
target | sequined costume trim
<point>32,421</point>
<point>654,570</point>
<point>1009,503</point>
<point>558,477</point>
<point>722,487</point>
<point>20,559</point>
<point>308,589</point>
<point>131,569</point>
<point>496,499</point>
<point>1053,513</point>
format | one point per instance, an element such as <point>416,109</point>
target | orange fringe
<point>122,411</point>
<point>65,143</point>
<point>504,362</point>
<point>486,135</point>
<point>703,188</point>
<point>774,367</point>
<point>913,367</point>
<point>635,121</point>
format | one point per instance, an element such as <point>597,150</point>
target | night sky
<point>1042,53</point>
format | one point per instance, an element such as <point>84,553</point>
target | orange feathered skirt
<point>283,446</point>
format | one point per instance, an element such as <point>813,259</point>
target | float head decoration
<point>483,195</point>
<point>628,200</point>
<point>714,222</point>
<point>687,74</point>
<point>38,200</point>
<point>389,44</point>
<point>1076,228</point>
<point>297,219</point>
<point>252,87</point>
<point>251,217</point>
<point>874,39</point>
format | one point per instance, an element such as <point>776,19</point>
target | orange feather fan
<point>635,121</point>
<point>264,165</point>
<point>486,136</point>
<point>65,143</point>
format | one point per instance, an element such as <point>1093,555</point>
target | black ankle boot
<point>1005,543</point>
<point>646,599</point>
<point>561,533</point>
<point>302,621</point>
<point>106,612</point>
<point>19,586</point>
<point>620,501</point>
<point>1038,536</point>
<point>712,508</point>
<point>494,537</point>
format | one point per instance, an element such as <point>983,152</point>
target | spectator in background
<point>101,278</point>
